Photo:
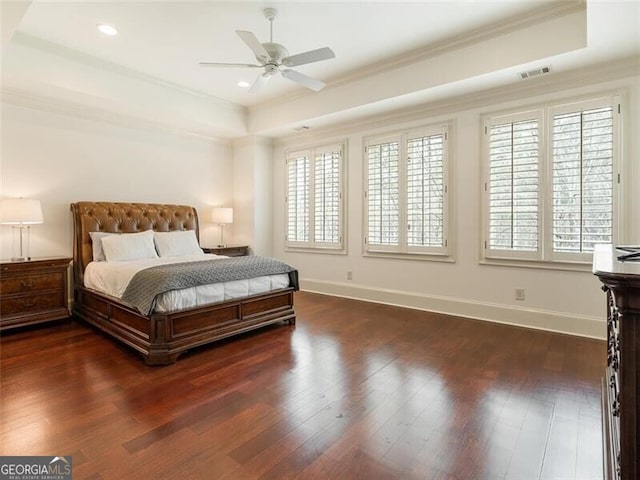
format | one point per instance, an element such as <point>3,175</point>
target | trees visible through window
<point>314,198</point>
<point>406,192</point>
<point>551,198</point>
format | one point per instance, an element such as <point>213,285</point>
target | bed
<point>161,336</point>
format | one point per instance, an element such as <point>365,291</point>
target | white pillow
<point>129,246</point>
<point>96,242</point>
<point>177,244</point>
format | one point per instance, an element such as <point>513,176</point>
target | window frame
<point>403,249</point>
<point>487,124</point>
<point>615,104</point>
<point>311,245</point>
<point>545,256</point>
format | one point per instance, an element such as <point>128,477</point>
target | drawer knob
<point>28,303</point>
<point>28,284</point>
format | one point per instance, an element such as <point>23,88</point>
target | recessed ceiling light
<point>243,84</point>
<point>107,29</point>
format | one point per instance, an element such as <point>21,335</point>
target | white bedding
<point>112,278</point>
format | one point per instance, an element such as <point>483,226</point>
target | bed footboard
<point>162,337</point>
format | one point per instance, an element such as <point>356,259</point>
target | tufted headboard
<point>122,218</point>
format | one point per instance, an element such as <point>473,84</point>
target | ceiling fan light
<point>107,29</point>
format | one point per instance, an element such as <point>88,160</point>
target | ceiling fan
<point>272,56</point>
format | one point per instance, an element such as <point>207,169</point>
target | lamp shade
<point>222,215</point>
<point>20,211</point>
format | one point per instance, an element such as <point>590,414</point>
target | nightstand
<point>33,291</point>
<point>230,251</point>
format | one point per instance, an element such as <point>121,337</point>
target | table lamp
<point>222,216</point>
<point>20,213</point>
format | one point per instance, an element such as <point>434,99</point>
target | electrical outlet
<point>520,294</point>
<point>349,275</point>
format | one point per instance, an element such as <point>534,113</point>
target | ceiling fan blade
<point>304,80</point>
<point>308,57</point>
<point>260,82</point>
<point>252,42</point>
<point>229,65</point>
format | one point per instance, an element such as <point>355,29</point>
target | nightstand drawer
<point>31,283</point>
<point>28,304</point>
<point>229,251</point>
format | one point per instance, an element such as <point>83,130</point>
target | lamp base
<point>20,243</point>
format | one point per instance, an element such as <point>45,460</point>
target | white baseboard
<point>583,326</point>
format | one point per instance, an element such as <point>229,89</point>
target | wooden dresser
<point>621,383</point>
<point>33,291</point>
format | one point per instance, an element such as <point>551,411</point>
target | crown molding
<point>52,48</point>
<point>30,99</point>
<point>536,16</point>
<point>628,67</point>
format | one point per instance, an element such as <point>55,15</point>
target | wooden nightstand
<point>231,251</point>
<point>33,291</point>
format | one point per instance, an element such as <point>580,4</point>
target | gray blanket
<point>147,284</point>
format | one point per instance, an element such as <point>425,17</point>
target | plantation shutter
<point>513,186</point>
<point>327,196</point>
<point>425,191</point>
<point>314,199</point>
<point>582,151</point>
<point>383,191</point>
<point>298,197</point>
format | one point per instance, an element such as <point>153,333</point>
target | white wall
<point>60,159</point>
<point>252,223</point>
<point>567,301</point>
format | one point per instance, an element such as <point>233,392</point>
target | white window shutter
<point>314,199</point>
<point>582,153</point>
<point>298,198</point>
<point>425,191</point>
<point>513,186</point>
<point>327,196</point>
<point>383,194</point>
<point>550,194</point>
<point>406,193</point>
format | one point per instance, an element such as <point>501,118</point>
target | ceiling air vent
<point>534,73</point>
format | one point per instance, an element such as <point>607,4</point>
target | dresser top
<point>606,263</point>
<point>34,261</point>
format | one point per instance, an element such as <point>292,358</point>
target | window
<point>406,193</point>
<point>513,185</point>
<point>582,151</point>
<point>314,198</point>
<point>551,199</point>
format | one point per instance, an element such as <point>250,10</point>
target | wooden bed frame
<point>161,337</point>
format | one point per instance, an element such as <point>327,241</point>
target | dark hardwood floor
<point>353,391</point>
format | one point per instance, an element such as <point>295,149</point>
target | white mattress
<point>112,278</point>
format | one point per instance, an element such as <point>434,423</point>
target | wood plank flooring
<point>353,391</point>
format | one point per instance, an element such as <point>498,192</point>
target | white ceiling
<point>166,40</point>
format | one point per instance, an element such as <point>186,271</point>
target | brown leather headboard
<point>122,218</point>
